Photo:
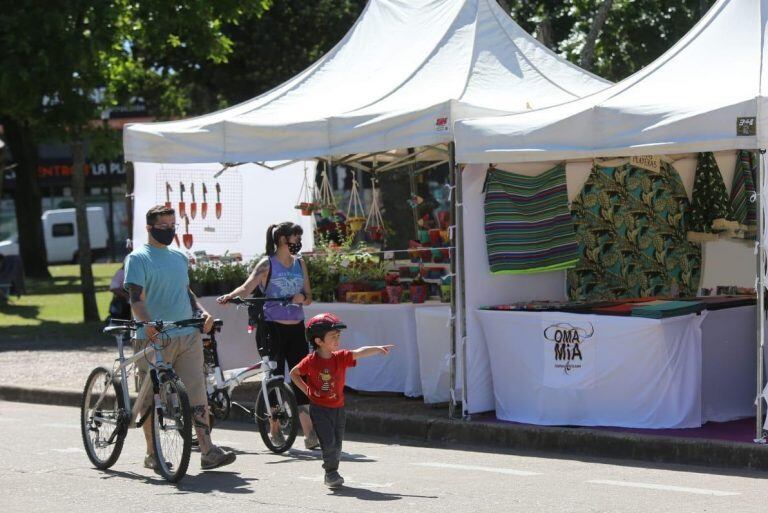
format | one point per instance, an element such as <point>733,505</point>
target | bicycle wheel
<point>279,431</point>
<point>172,429</point>
<point>102,418</point>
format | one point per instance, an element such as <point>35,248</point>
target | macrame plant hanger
<point>306,202</point>
<point>327,202</point>
<point>355,211</point>
<point>374,224</point>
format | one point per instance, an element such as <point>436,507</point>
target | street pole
<point>454,281</point>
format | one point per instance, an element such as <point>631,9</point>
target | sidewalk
<point>54,373</point>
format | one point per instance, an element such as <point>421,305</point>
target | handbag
<point>256,313</point>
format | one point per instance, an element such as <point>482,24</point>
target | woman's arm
<point>258,277</point>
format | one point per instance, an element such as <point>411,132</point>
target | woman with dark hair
<point>282,273</point>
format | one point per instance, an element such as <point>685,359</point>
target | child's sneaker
<point>333,479</point>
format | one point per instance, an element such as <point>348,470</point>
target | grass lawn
<point>53,309</point>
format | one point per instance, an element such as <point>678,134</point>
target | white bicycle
<point>106,413</point>
<point>275,411</point>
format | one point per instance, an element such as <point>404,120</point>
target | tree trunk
<point>544,32</point>
<point>588,53</point>
<point>27,198</point>
<point>90,308</point>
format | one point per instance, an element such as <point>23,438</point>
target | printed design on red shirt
<point>328,387</point>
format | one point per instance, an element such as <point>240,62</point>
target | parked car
<point>60,231</point>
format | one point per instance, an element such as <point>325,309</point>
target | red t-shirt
<point>325,377</point>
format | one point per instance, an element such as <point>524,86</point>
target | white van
<point>60,231</point>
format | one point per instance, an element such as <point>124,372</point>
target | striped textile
<point>528,227</point>
<point>743,190</point>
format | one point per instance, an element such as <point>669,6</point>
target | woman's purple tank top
<point>284,282</point>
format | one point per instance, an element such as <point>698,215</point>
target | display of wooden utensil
<point>218,200</point>
<point>204,207</point>
<point>187,235</point>
<point>193,205</point>
<point>182,209</point>
<point>168,191</point>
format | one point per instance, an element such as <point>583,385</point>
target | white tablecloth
<point>556,368</point>
<point>434,344</point>
<point>376,325</point>
<point>729,364</point>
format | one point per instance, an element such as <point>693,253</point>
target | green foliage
<point>635,33</point>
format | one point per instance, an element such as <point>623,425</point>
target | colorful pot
<point>445,293</point>
<point>434,237</point>
<point>342,289</point>
<point>355,223</point>
<point>394,292</point>
<point>375,233</point>
<point>423,236</point>
<point>418,293</point>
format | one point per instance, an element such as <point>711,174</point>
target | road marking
<point>668,488</point>
<point>496,470</point>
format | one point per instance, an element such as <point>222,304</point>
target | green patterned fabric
<point>633,243</point>
<point>528,227</point>
<point>743,190</point>
<point>710,199</point>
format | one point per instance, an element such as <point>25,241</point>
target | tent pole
<point>452,323</point>
<point>759,436</point>
<point>460,275</point>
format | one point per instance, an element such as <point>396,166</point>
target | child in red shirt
<point>320,375</point>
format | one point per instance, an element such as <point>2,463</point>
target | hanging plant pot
<point>355,223</point>
<point>418,293</point>
<point>376,233</point>
<point>306,208</point>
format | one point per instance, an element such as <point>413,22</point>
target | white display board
<point>233,213</point>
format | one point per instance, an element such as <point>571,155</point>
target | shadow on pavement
<point>300,455</point>
<point>365,494</point>
<point>205,482</point>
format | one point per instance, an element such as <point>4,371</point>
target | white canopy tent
<point>705,94</point>
<point>399,78</point>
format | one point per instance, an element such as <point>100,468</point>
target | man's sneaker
<point>333,479</point>
<point>150,462</point>
<point>311,442</point>
<point>216,457</point>
<point>278,438</point>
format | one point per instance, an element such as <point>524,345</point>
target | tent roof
<point>689,99</point>
<point>399,78</point>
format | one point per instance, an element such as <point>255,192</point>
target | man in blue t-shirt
<point>158,285</point>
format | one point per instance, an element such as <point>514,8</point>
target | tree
<point>588,52</point>
<point>61,65</point>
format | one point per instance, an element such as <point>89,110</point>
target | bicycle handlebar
<point>159,325</point>
<point>256,300</point>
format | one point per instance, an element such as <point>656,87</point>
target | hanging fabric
<point>743,190</point>
<point>528,227</point>
<point>710,207</point>
<point>632,239</point>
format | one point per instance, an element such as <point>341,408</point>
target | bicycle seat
<point>111,330</point>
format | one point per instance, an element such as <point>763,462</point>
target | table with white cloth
<point>556,368</point>
<point>434,343</point>
<point>379,324</point>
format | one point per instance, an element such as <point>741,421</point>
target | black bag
<point>256,314</point>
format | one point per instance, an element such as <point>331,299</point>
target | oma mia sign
<point>567,339</point>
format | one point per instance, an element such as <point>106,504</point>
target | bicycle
<point>106,412</point>
<point>275,409</point>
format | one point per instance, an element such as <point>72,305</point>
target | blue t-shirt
<point>162,273</point>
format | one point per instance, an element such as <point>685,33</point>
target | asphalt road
<point>43,467</point>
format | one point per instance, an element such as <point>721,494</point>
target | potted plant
<point>419,290</point>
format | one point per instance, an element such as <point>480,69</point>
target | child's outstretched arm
<point>299,381</point>
<point>362,352</point>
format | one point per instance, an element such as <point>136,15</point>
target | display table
<point>632,373</point>
<point>554,368</point>
<point>369,325</point>
<point>434,345</point>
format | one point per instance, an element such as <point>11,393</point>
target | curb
<point>510,437</point>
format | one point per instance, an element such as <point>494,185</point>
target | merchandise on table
<point>528,227</point>
<point>665,309</point>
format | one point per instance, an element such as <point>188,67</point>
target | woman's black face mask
<point>294,247</point>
